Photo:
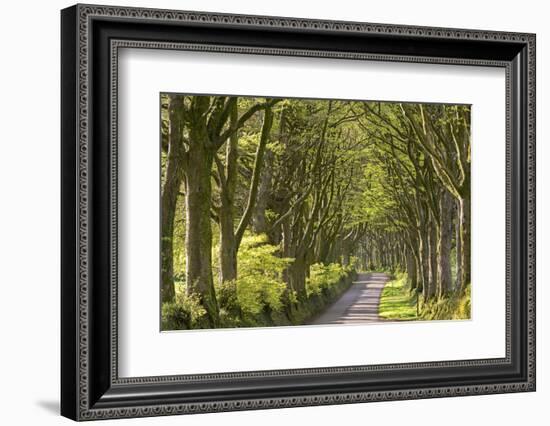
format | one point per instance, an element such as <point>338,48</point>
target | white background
<point>29,217</point>
<point>140,343</point>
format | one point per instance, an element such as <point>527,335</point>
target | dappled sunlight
<point>270,207</point>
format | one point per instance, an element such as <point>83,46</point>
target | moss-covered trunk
<point>259,221</point>
<point>465,241</point>
<point>228,245</point>
<point>170,189</point>
<point>412,269</point>
<point>444,244</point>
<point>430,291</point>
<point>198,231</point>
<point>458,246</point>
<point>297,276</point>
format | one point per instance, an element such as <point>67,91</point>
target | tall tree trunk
<point>419,273</point>
<point>411,269</point>
<point>432,259</point>
<point>228,244</point>
<point>169,197</point>
<point>458,247</point>
<point>346,257</point>
<point>230,239</point>
<point>383,252</point>
<point>444,244</point>
<point>259,222</point>
<point>198,230</point>
<point>323,248</point>
<point>256,175</point>
<point>428,259</point>
<point>464,218</point>
<point>297,275</point>
<point>423,251</point>
<point>425,261</point>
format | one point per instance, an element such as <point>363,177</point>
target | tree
<point>443,134</point>
<point>207,123</point>
<point>172,183</point>
<point>230,238</point>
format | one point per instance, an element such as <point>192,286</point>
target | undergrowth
<point>259,297</point>
<point>399,302</point>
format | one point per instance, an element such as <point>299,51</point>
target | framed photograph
<point>263,212</point>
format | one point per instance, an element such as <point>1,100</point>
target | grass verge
<point>397,302</point>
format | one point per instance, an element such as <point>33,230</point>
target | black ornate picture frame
<point>90,385</point>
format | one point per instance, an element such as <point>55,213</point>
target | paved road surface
<point>357,305</point>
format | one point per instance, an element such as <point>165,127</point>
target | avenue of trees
<point>269,205</point>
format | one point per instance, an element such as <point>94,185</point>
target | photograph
<point>304,212</point>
